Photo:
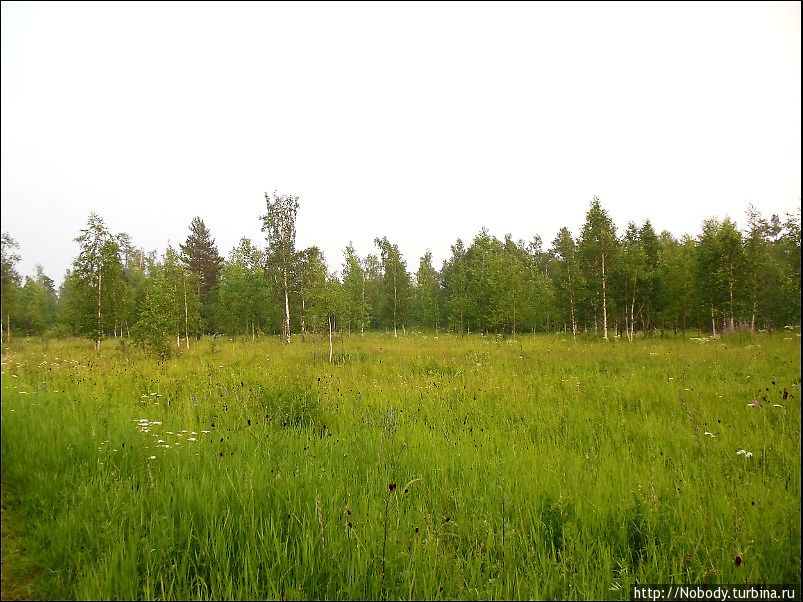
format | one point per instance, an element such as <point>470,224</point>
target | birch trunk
<point>286,309</point>
<point>330,338</point>
<point>186,316</point>
<point>362,309</point>
<point>713,322</point>
<point>604,302</point>
<point>731,302</point>
<point>303,318</point>
<point>395,333</point>
<point>574,320</point>
<point>97,342</point>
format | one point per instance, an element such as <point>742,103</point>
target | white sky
<point>422,122</point>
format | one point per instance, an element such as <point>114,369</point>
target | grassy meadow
<point>422,466</point>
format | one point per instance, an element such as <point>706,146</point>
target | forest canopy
<point>600,281</point>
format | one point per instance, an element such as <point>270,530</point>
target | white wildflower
<point>152,458</point>
<point>748,455</point>
<point>710,434</point>
<point>192,439</point>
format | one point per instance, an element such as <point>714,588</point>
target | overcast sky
<point>422,122</point>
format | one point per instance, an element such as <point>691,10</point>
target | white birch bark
<point>604,302</point>
<point>186,316</point>
<point>97,342</point>
<point>286,309</point>
<point>330,338</point>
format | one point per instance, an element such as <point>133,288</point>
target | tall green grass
<point>434,467</point>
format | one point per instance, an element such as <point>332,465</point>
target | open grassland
<point>429,467</point>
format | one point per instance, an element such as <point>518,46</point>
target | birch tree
<point>396,283</point>
<point>243,291</point>
<point>631,268</point>
<point>310,275</point>
<point>98,273</point>
<point>597,249</point>
<point>10,281</point>
<point>427,288</point>
<point>280,225</point>
<point>354,290</point>
<point>567,275</point>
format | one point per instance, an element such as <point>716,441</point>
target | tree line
<point>639,283</point>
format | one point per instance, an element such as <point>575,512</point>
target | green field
<point>434,467</point>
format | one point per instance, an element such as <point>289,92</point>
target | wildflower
<point>777,405</point>
<point>741,452</point>
<point>160,441</point>
<point>710,434</point>
<point>748,455</point>
<point>192,439</point>
<point>152,458</point>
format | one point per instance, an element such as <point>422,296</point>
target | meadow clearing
<point>423,466</point>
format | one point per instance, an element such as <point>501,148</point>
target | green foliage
<point>244,306</point>
<point>200,256</point>
<point>357,314</point>
<point>96,287</point>
<point>396,287</point>
<point>10,278</point>
<point>280,225</point>
<point>427,291</point>
<point>171,307</point>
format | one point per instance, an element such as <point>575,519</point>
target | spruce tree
<point>199,253</point>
